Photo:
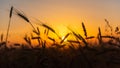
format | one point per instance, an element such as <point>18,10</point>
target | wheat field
<point>67,53</point>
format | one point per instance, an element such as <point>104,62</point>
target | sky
<point>59,14</point>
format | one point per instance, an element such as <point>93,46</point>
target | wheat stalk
<point>76,35</point>
<point>116,29</point>
<point>99,36</point>
<point>37,32</point>
<point>47,32</point>
<point>28,40</point>
<point>64,38</point>
<point>109,25</point>
<point>84,29</point>
<point>90,37</point>
<point>11,12</point>
<point>24,17</point>
<point>52,39</point>
<point>48,27</point>
<point>85,42</point>
<point>73,41</point>
<point>10,16</point>
<point>112,37</point>
<point>43,45</point>
<point>51,29</point>
<point>1,37</point>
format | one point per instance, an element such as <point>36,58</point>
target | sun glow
<point>62,30</point>
<point>63,39</point>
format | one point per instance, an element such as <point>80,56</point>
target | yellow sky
<point>60,14</point>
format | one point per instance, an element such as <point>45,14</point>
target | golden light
<point>62,30</point>
<point>63,38</point>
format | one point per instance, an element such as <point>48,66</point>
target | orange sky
<point>59,14</point>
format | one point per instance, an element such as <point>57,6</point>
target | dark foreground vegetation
<point>67,53</point>
<point>52,57</point>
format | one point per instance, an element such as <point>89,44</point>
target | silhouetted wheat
<point>51,29</point>
<point>2,44</point>
<point>84,29</point>
<point>38,31</point>
<point>73,41</point>
<point>89,64</point>
<point>80,38</point>
<point>109,25</point>
<point>1,37</point>
<point>90,37</point>
<point>118,32</point>
<point>116,29</point>
<point>112,37</point>
<point>10,16</point>
<point>64,38</point>
<point>28,40</point>
<point>24,17</point>
<point>48,27</point>
<point>52,39</point>
<point>76,35</point>
<point>85,42</point>
<point>59,45</point>
<point>35,37</point>
<point>78,55</point>
<point>43,44</point>
<point>45,31</point>
<point>11,12</point>
<point>99,36</point>
<point>17,44</point>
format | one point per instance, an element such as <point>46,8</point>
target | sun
<point>62,30</point>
